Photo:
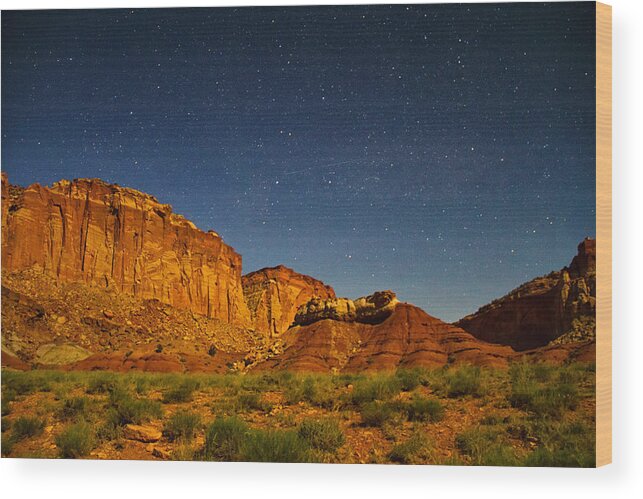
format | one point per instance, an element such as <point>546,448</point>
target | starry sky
<point>446,152</point>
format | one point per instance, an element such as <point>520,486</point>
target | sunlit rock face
<point>274,295</point>
<point>102,234</point>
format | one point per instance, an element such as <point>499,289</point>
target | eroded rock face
<point>371,309</point>
<point>559,305</point>
<point>89,231</point>
<point>408,337</point>
<point>274,295</point>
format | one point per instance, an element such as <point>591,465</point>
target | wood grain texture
<point>603,234</point>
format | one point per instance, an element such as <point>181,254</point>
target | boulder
<point>142,433</point>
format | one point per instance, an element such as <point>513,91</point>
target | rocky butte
<point>559,307</point>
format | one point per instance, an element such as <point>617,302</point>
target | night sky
<point>446,152</point>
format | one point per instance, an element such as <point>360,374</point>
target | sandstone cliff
<point>89,231</point>
<point>274,295</point>
<point>559,307</point>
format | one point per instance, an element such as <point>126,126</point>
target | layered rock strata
<point>561,305</point>
<point>408,337</point>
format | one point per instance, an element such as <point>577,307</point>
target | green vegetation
<point>566,444</point>
<point>224,439</point>
<point>421,409</point>
<point>377,387</point>
<point>379,413</point>
<point>535,392</point>
<point>530,414</point>
<point>467,380</point>
<point>74,408</point>
<point>486,446</point>
<point>128,409</point>
<point>182,425</point>
<point>415,450</point>
<point>182,392</point>
<point>322,434</point>
<point>76,440</point>
<point>275,446</point>
<point>251,402</point>
<point>316,390</point>
<point>26,427</point>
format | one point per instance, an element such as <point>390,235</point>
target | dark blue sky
<point>443,151</point>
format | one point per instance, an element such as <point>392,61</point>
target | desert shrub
<point>73,408</point>
<point>378,413</point>
<point>111,428</point>
<point>563,444</point>
<point>128,409</point>
<point>485,446</point>
<point>251,402</point>
<point>492,419</point>
<point>543,399</point>
<point>423,409</point>
<point>415,450</point>
<point>282,379</point>
<point>142,385</point>
<point>138,411</point>
<point>76,440</point>
<point>571,374</point>
<point>544,457</point>
<point>316,390</point>
<point>322,434</point>
<point>224,406</point>
<point>183,452</point>
<point>554,400</point>
<point>275,446</point>
<point>182,425</point>
<point>182,392</point>
<point>410,379</point>
<point>224,438</point>
<point>377,387</point>
<point>542,372</point>
<point>8,396</point>
<point>255,383</point>
<point>6,445</point>
<point>25,383</point>
<point>101,382</point>
<point>466,380</point>
<point>25,427</point>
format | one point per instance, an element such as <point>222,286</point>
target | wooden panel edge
<point>603,234</point>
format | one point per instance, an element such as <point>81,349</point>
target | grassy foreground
<point>529,415</point>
